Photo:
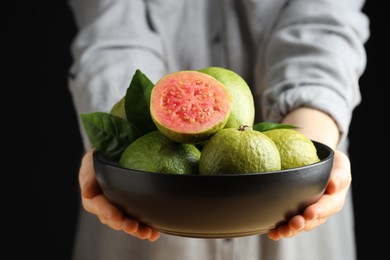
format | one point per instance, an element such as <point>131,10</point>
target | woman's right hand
<point>94,201</point>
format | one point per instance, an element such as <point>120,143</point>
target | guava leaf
<point>265,126</point>
<point>137,102</point>
<point>109,134</point>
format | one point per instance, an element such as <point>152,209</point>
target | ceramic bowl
<point>222,206</point>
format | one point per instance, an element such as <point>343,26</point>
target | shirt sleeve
<point>314,58</point>
<point>114,38</point>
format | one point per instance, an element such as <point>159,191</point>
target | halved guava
<point>189,106</point>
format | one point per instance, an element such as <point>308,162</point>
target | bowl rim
<point>98,156</point>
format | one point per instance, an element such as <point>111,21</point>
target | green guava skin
<point>154,152</point>
<point>233,151</point>
<point>243,108</point>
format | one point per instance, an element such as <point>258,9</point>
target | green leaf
<point>265,126</point>
<point>137,102</point>
<point>109,134</point>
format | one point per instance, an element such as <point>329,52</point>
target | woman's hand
<point>320,127</point>
<point>330,203</point>
<point>94,201</point>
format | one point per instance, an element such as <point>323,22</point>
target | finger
<point>274,235</point>
<point>289,229</point>
<point>328,205</point>
<point>341,176</point>
<point>143,232</point>
<point>154,236</point>
<point>132,227</point>
<point>146,232</point>
<point>334,198</point>
<point>105,211</point>
<point>309,225</point>
<point>314,216</point>
<point>88,184</point>
<point>278,232</point>
<point>86,168</point>
<point>297,223</point>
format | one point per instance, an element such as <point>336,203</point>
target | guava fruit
<point>189,106</point>
<point>295,148</point>
<point>239,151</point>
<point>154,152</point>
<point>243,108</point>
<point>118,109</point>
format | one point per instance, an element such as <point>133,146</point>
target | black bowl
<point>222,206</point>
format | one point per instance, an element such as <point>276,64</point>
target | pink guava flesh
<point>190,102</point>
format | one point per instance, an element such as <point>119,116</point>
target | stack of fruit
<point>195,122</point>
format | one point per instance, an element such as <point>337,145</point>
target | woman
<point>302,59</point>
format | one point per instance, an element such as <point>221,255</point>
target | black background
<point>40,194</point>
